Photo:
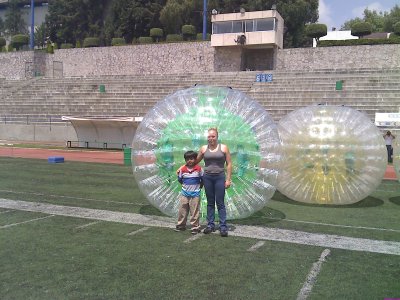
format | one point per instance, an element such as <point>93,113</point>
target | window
<point>264,24</point>
<point>244,26</point>
<point>227,27</point>
<point>250,26</point>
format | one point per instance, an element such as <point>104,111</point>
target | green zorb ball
<point>180,123</point>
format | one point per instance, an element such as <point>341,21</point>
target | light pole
<point>204,20</point>
<point>32,37</point>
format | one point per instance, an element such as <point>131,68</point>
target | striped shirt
<point>190,178</point>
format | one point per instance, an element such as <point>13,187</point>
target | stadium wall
<point>38,133</point>
<point>344,57</point>
<point>191,57</point>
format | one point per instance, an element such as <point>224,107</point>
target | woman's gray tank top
<point>214,161</point>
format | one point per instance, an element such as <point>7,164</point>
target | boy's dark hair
<point>190,154</point>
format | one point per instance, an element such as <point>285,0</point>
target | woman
<point>215,156</point>
<point>389,137</point>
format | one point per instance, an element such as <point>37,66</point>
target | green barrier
<point>339,85</point>
<point>127,156</point>
<point>102,88</point>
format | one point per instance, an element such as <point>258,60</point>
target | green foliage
<point>2,42</point>
<point>10,48</point>
<point>380,21</point>
<point>199,36</point>
<point>296,14</point>
<point>396,28</point>
<point>173,14</point>
<point>316,30</point>
<point>41,35</point>
<point>392,18</point>
<point>19,40</point>
<point>14,22</point>
<point>78,44</point>
<point>361,29</point>
<point>118,42</point>
<point>66,46</point>
<point>145,40</point>
<point>72,20</point>
<point>359,42</point>
<point>174,38</point>
<point>91,42</point>
<point>156,34</point>
<point>188,32</point>
<point>131,19</point>
<point>55,46</point>
<point>49,48</point>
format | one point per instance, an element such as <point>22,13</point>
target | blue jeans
<point>214,186</point>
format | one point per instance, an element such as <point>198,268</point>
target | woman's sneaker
<point>208,230</point>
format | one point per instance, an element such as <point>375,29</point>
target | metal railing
<point>30,119</point>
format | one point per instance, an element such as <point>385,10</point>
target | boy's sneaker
<point>224,233</point>
<point>208,230</point>
<point>178,229</point>
<point>196,231</point>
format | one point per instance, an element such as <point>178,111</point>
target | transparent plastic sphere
<point>331,155</point>
<point>396,156</point>
<point>180,123</point>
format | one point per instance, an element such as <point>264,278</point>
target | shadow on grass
<point>395,200</point>
<point>366,202</point>
<point>150,210</point>
<point>263,217</point>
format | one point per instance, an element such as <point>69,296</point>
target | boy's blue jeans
<point>214,186</point>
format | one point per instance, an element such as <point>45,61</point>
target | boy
<point>191,178</point>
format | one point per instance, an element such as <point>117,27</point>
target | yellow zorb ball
<point>331,155</point>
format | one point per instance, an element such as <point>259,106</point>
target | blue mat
<point>55,159</point>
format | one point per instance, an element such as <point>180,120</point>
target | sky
<point>334,13</point>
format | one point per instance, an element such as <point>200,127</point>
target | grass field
<point>49,256</point>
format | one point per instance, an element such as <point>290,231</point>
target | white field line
<point>193,238</point>
<point>87,225</point>
<point>28,221</point>
<point>260,233</point>
<point>312,276</point>
<point>257,245</point>
<point>71,197</point>
<point>139,230</point>
<point>334,225</point>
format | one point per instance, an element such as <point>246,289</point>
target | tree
<point>296,14</point>
<point>71,20</point>
<point>1,27</point>
<point>156,34</point>
<point>19,40</point>
<point>188,32</point>
<point>316,31</point>
<point>41,35</point>
<point>14,23</point>
<point>172,16</point>
<point>391,19</point>
<point>132,18</point>
<point>380,21</point>
<point>361,29</point>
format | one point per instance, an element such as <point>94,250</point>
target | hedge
<point>91,42</point>
<point>359,42</point>
<point>145,40</point>
<point>156,34</point>
<point>66,46</point>
<point>118,41</point>
<point>174,38</point>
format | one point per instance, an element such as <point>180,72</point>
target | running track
<point>112,157</point>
